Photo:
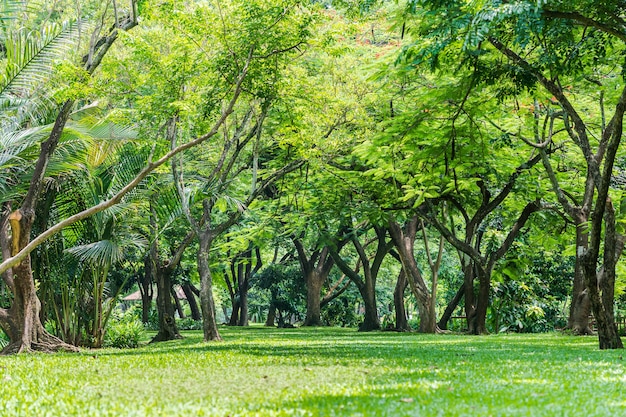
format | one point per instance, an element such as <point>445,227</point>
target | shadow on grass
<point>344,346</point>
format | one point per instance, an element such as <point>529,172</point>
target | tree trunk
<point>371,321</point>
<point>207,303</point>
<point>469,273</point>
<point>167,322</point>
<point>234,314</point>
<point>314,281</point>
<point>601,286</point>
<point>315,269</point>
<point>191,299</point>
<point>243,308</point>
<point>404,241</point>
<point>271,315</point>
<point>580,307</point>
<point>177,304</point>
<point>244,284</point>
<point>482,302</point>
<point>146,290</point>
<point>22,322</point>
<point>402,322</point>
<point>452,305</point>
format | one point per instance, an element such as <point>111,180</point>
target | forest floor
<point>323,372</point>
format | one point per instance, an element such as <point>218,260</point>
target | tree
<point>21,321</point>
<point>554,49</point>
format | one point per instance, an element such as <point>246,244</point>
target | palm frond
<point>101,253</point>
<point>108,252</point>
<point>31,57</point>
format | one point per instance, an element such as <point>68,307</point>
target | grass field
<point>323,372</point>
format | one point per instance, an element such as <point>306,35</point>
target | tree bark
<point>404,242</point>
<point>22,322</point>
<point>452,305</point>
<point>402,321</point>
<point>146,290</point>
<point>244,286</point>
<point>315,269</point>
<point>167,321</point>
<point>314,282</point>
<point>178,306</point>
<point>580,307</point>
<point>271,315</point>
<point>207,303</point>
<point>191,299</point>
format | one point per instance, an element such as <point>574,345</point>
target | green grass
<point>323,372</point>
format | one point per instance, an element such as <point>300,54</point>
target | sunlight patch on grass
<point>329,372</point>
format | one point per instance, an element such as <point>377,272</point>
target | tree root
<point>47,343</point>
<point>579,331</point>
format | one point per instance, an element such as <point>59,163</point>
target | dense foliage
<point>415,165</point>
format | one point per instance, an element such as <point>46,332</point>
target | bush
<point>189,324</point>
<point>124,331</point>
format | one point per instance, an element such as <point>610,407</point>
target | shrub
<point>188,324</point>
<point>124,331</point>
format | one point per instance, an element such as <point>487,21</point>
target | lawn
<point>323,372</point>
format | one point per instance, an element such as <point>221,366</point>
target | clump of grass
<point>330,372</point>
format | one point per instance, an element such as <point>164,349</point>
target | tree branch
<point>8,263</point>
<point>587,21</point>
<point>581,139</point>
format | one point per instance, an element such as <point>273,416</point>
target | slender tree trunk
<point>209,320</point>
<point>191,299</point>
<point>244,284</point>
<point>580,307</point>
<point>177,304</point>
<point>452,305</point>
<point>146,290</point>
<point>469,273</point>
<point>243,308</point>
<point>402,322</point>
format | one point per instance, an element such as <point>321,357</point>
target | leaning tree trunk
<point>207,303</point>
<point>177,304</point>
<point>452,305</point>
<point>402,322</point>
<point>191,299</point>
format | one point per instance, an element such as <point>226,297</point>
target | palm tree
<point>30,61</point>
